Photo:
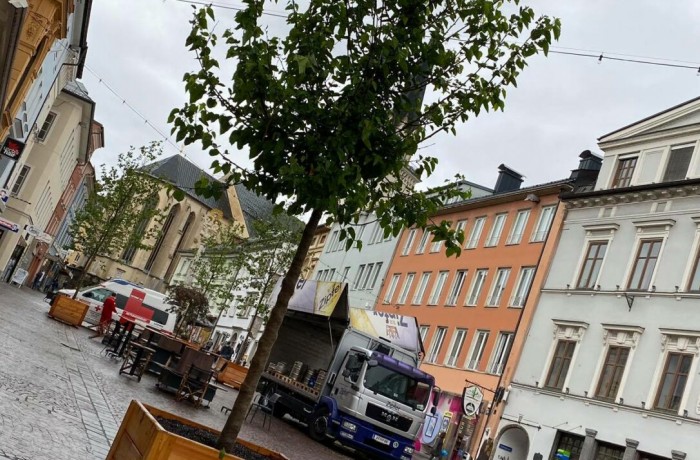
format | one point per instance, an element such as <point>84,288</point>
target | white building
<point>609,370</point>
<point>364,270</point>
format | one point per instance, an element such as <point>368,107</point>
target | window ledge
<point>601,227</point>
<point>644,224</point>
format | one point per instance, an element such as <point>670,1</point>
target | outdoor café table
<point>170,381</point>
<point>135,363</point>
<point>121,336</point>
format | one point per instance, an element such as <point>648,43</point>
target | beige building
<point>183,227</point>
<point>315,250</point>
<point>41,175</point>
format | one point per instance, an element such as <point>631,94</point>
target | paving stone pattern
<point>61,399</point>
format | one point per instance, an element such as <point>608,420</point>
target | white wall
<point>334,257</point>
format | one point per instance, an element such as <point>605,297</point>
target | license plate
<point>381,440</point>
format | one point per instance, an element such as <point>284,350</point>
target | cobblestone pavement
<point>60,399</point>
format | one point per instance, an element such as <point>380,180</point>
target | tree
<point>269,254</point>
<point>332,113</point>
<point>190,305</point>
<point>218,262</point>
<point>114,215</point>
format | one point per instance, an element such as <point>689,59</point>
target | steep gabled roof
<point>182,173</point>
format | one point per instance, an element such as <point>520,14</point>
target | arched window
<point>159,243</point>
<point>130,250</point>
<point>183,237</point>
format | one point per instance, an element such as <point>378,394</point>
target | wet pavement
<point>61,399</point>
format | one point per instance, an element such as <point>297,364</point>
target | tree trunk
<point>79,281</point>
<point>255,316</point>
<point>235,420</point>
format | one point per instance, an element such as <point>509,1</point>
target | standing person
<point>108,308</point>
<point>436,452</point>
<point>37,280</point>
<point>226,351</point>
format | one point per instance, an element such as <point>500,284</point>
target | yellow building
<point>184,226</point>
<point>29,30</point>
<point>315,250</point>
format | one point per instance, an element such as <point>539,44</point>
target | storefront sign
<point>471,400</point>
<point>4,198</point>
<point>311,296</point>
<point>12,148</point>
<point>9,225</point>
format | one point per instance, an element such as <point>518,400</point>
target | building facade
<point>43,173</point>
<point>315,250</point>
<point>470,309</point>
<point>363,269</point>
<point>609,369</point>
<point>184,225</point>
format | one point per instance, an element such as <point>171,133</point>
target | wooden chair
<point>194,384</point>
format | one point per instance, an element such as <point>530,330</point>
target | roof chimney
<point>508,180</point>
<point>586,174</point>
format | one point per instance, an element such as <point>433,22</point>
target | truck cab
<point>379,403</point>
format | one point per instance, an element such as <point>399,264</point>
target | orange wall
<point>503,318</point>
<point>493,319</point>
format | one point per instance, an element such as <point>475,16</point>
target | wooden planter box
<point>233,375</point>
<point>140,437</point>
<point>68,310</point>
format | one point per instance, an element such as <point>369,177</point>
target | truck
<point>351,375</point>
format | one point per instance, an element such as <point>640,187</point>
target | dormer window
<point>624,172</point>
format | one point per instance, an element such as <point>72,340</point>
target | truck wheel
<point>318,425</point>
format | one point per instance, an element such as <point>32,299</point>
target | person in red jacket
<point>108,308</point>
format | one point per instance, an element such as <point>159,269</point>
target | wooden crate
<point>68,310</point>
<point>233,375</point>
<point>140,437</point>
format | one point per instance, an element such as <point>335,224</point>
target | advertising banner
<point>12,148</point>
<point>311,296</point>
<point>9,225</point>
<point>400,330</point>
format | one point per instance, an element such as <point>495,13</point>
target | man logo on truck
<point>389,417</point>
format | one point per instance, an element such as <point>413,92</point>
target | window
<point>644,264</point>
<point>392,288</point>
<point>694,283</point>
<point>344,277</point>
<point>477,349</point>
<point>424,331</point>
<point>625,170</point>
<point>333,242</point>
<point>437,344</point>
<point>516,233</point>
<point>678,162</point>
<point>673,381</point>
<point>377,234</point>
<point>456,347</point>
<point>500,353</point>
<point>477,287</point>
<point>435,247</point>
<point>377,270</point>
<point>456,287</point>
<point>409,242</point>
<point>591,264</point>
<point>21,179</point>
<point>499,285</point>
<point>461,225</point>
<point>358,278</point>
<point>569,442</point>
<point>331,274</point>
<point>561,361</point>
<point>437,289</point>
<point>406,287</point>
<point>422,285</point>
<point>523,287</point>
<point>368,276</point>
<point>475,234</point>
<point>611,375</point>
<point>605,451</point>
<point>543,224</point>
<point>319,275</point>
<point>46,127</point>
<point>423,242</point>
<point>495,233</point>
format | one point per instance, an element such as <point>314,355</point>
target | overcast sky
<point>561,106</point>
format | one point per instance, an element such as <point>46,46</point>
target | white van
<point>153,300</point>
